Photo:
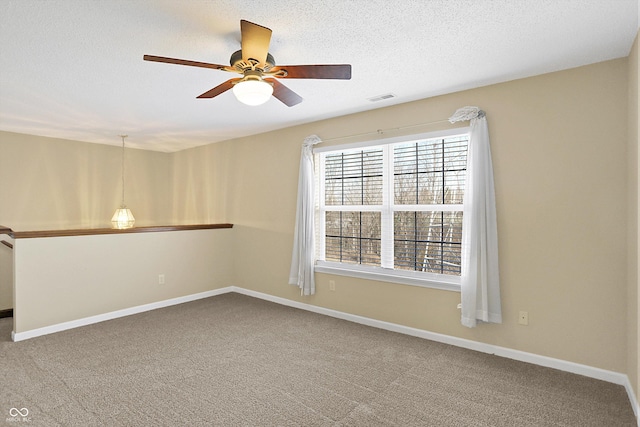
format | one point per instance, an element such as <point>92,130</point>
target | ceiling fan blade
<point>185,62</point>
<point>219,89</point>
<point>332,71</point>
<point>255,41</point>
<point>284,94</point>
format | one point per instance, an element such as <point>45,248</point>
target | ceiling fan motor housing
<point>241,65</point>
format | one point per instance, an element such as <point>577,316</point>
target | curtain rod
<point>383,131</point>
<point>461,114</point>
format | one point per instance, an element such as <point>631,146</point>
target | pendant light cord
<point>123,137</point>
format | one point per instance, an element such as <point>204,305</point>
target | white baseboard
<point>634,401</point>
<point>562,365</point>
<point>20,336</point>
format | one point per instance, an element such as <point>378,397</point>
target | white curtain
<point>480,276</point>
<point>303,257</point>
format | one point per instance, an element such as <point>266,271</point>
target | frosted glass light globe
<point>253,92</point>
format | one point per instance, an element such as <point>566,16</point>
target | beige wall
<point>62,279</point>
<point>49,183</point>
<point>200,193</point>
<point>6,274</point>
<point>559,143</point>
<point>633,302</point>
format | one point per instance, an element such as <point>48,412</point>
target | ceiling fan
<point>259,70</point>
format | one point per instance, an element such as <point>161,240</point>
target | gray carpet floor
<point>232,360</point>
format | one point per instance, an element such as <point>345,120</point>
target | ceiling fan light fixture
<point>252,91</point>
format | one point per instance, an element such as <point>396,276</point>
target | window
<point>392,210</point>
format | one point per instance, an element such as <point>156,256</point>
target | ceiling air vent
<point>382,97</point>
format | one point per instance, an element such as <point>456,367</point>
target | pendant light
<point>122,218</point>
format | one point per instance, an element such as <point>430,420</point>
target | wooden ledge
<point>97,231</point>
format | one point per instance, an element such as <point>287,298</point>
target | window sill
<point>447,283</point>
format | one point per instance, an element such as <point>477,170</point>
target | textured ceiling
<point>73,69</point>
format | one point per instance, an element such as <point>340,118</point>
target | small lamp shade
<point>253,92</point>
<point>122,218</point>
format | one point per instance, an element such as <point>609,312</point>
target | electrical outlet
<point>160,279</point>
<point>332,285</point>
<point>523,318</point>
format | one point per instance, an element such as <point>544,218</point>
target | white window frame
<point>385,272</point>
